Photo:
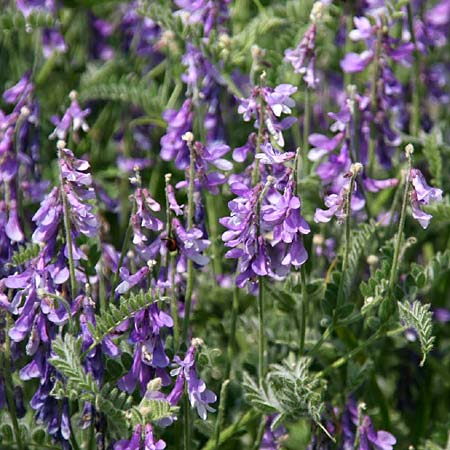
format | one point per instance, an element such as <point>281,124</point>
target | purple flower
<point>355,422</point>
<point>129,281</point>
<point>173,147</point>
<point>139,442</point>
<point>210,14</point>
<point>422,194</point>
<point>277,101</point>
<point>354,62</point>
<point>74,118</point>
<point>199,396</point>
<point>271,155</point>
<point>78,191</point>
<point>52,41</point>
<point>191,243</point>
<point>336,204</point>
<point>273,439</point>
<point>303,57</point>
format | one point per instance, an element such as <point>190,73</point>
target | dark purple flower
<point>173,147</point>
<point>273,439</point>
<point>199,396</point>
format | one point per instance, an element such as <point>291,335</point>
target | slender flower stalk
<point>213,232</point>
<point>373,100</point>
<point>415,107</point>
<point>190,223</point>
<point>171,268</point>
<point>232,336</point>
<point>409,150</point>
<point>261,337</point>
<point>221,413</point>
<point>67,227</point>
<point>306,130</point>
<point>355,169</point>
<point>5,362</point>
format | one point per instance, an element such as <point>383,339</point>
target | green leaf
<point>418,316</point>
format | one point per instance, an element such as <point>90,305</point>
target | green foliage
<point>12,20</point>
<point>440,211</point>
<point>436,267</point>
<point>290,390</point>
<point>418,316</point>
<point>24,254</point>
<point>113,403</point>
<point>113,316</point>
<point>359,246</point>
<point>432,152</point>
<point>67,361</point>
<point>128,90</point>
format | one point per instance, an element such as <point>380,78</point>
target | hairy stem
<point>373,101</point>
<point>187,422</point>
<point>347,238</point>
<point>232,336</point>
<point>303,312</point>
<point>214,233</point>
<point>190,224</point>
<point>5,361</point>
<point>221,413</point>
<point>415,111</point>
<point>261,365</point>
<point>306,130</point>
<point>67,228</point>
<point>401,226</point>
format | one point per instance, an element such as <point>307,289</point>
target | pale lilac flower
<point>191,243</point>
<point>73,118</point>
<point>422,194</point>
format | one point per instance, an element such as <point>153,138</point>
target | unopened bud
<point>188,137</point>
<point>25,111</point>
<point>372,260</point>
<point>317,12</point>
<point>369,300</point>
<point>167,177</point>
<point>154,385</point>
<point>409,150</point>
<point>151,263</point>
<point>61,144</point>
<point>73,95</point>
<point>197,342</point>
<point>356,168</point>
<point>318,239</point>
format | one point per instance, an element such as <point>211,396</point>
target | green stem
<point>73,281</point>
<point>303,313</point>
<point>125,244</point>
<point>190,222</point>
<point>232,337</point>
<point>6,356</point>
<point>343,359</point>
<point>373,101</point>
<point>261,364</point>
<point>230,431</point>
<point>306,130</point>
<point>347,238</point>
<point>187,422</point>
<point>415,111</point>
<point>260,433</point>
<point>221,414</point>
<point>174,306</point>
<point>214,233</point>
<point>401,226</point>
